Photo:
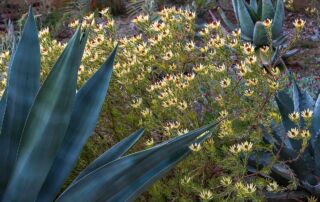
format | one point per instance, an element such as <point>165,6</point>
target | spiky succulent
<point>296,141</point>
<point>43,129</point>
<point>250,19</point>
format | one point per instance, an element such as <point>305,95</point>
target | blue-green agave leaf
<point>260,35</point>
<point>259,12</point>
<point>114,153</point>
<point>254,5</point>
<point>315,138</point>
<point>267,10</point>
<point>277,22</point>
<point>235,9</point>
<point>252,13</point>
<point>136,187</point>
<point>316,118</point>
<point>122,172</point>
<point>3,103</point>
<point>46,125</point>
<point>88,104</point>
<point>22,86</point>
<point>226,20</point>
<point>302,100</point>
<point>246,23</point>
<point>286,106</point>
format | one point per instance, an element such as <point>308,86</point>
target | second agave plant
<point>251,17</point>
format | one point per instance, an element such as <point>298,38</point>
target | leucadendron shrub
<point>169,79</point>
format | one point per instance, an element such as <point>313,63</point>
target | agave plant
<point>250,17</point>
<point>43,129</point>
<point>296,140</point>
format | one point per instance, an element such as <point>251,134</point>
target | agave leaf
<point>252,12</point>
<point>245,20</point>
<point>286,107</point>
<point>267,10</point>
<point>279,41</point>
<point>138,186</point>
<point>278,19</point>
<point>23,84</point>
<point>46,125</point>
<point>235,9</point>
<point>85,113</point>
<point>315,138</point>
<point>302,101</point>
<point>3,104</point>
<point>290,53</point>
<point>226,20</point>
<point>316,119</point>
<point>259,11</point>
<point>124,171</point>
<point>260,35</point>
<point>114,153</point>
<point>254,5</point>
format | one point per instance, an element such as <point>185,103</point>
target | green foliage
<point>44,128</point>
<point>251,18</point>
<point>295,140</point>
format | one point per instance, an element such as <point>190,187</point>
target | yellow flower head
<point>293,133</point>
<point>294,116</point>
<point>299,24</point>
<point>272,186</point>
<point>305,134</point>
<point>236,32</point>
<point>264,49</point>
<point>246,146</point>
<point>206,195</point>
<point>225,83</point>
<point>267,23</point>
<point>248,92</point>
<point>195,147</point>
<point>190,46</point>
<point>307,114</point>
<point>226,181</point>
<point>149,142</point>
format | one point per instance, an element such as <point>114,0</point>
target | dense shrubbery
<point>169,79</point>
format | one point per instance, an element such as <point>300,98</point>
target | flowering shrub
<point>170,78</point>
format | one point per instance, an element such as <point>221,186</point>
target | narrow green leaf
<point>46,125</point>
<point>22,86</point>
<point>277,22</point>
<point>260,35</point>
<point>122,172</point>
<point>114,153</point>
<point>267,10</point>
<point>246,23</point>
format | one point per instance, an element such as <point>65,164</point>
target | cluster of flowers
<point>172,78</point>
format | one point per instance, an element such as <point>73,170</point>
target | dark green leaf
<point>22,86</point>
<point>114,153</point>
<point>123,172</point>
<point>267,10</point>
<point>246,23</point>
<point>260,35</point>
<point>278,19</point>
<point>46,125</point>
